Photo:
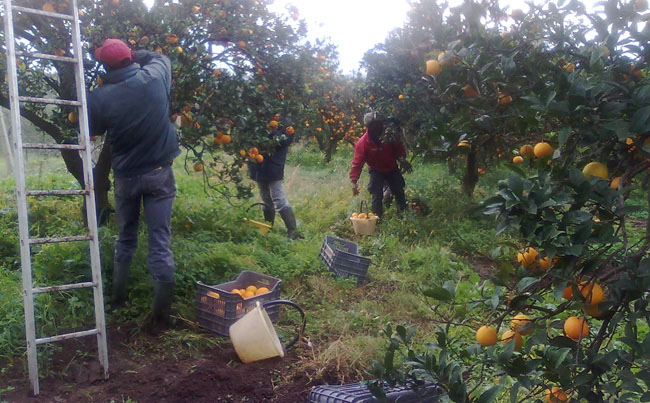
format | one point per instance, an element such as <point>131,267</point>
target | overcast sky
<point>354,26</point>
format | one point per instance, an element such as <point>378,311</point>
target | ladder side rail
<point>91,211</point>
<point>21,199</point>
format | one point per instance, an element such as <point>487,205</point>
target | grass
<point>212,244</point>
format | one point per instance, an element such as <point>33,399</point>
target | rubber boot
<point>163,292</point>
<point>269,214</point>
<point>120,280</point>
<point>290,222</point>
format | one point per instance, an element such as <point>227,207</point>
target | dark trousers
<point>396,183</point>
<point>156,191</point>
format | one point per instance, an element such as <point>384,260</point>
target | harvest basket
<point>359,393</point>
<point>342,258</point>
<point>364,226</point>
<point>218,307</point>
<point>261,227</point>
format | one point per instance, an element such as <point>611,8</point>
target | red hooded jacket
<point>381,158</point>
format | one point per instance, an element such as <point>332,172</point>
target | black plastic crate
<point>342,258</point>
<point>359,393</point>
<point>218,307</point>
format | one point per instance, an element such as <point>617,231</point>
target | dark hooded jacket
<point>132,108</point>
<point>272,168</point>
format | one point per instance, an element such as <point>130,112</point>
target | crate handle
<point>299,309</point>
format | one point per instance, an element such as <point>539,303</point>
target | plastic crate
<point>359,393</point>
<point>218,307</point>
<point>342,258</point>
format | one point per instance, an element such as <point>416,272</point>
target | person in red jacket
<point>382,158</point>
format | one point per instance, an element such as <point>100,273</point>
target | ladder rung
<point>38,241</point>
<point>35,146</point>
<point>57,192</point>
<point>67,336</point>
<point>41,12</point>
<point>52,101</point>
<point>46,56</point>
<point>55,288</point>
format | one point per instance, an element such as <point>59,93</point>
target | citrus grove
<point>559,94</point>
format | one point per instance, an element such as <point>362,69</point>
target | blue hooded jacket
<point>132,107</point>
<point>272,168</point>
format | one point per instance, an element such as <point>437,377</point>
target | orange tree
<point>333,111</point>
<point>571,307</point>
<point>234,65</point>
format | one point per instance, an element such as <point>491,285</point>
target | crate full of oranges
<point>221,305</point>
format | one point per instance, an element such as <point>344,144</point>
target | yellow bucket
<point>261,227</point>
<point>253,335</point>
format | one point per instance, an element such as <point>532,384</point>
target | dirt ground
<point>143,369</point>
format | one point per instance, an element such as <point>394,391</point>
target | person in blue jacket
<point>269,175</point>
<point>132,108</point>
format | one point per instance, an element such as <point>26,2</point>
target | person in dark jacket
<point>269,175</point>
<point>382,158</point>
<point>132,108</point>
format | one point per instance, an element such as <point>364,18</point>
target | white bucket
<point>254,337</point>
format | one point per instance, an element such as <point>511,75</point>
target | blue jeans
<point>272,194</point>
<point>156,191</point>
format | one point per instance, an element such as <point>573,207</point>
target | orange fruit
<point>504,99</point>
<point>290,130</point>
<point>544,263</point>
<point>241,44</point>
<point>568,292</point>
<point>198,167</point>
<point>248,294</point>
<point>362,216</point>
<point>261,290</point>
<point>569,67</point>
<point>273,124</point>
<point>48,7</point>
<point>226,139</point>
<point>517,159</point>
<point>259,158</point>
<point>615,182</point>
<point>527,150</point>
<point>253,151</point>
<point>556,395</point>
<point>401,96</point>
<point>486,336</point>
<point>592,292</point>
<point>576,328</point>
<point>519,321</point>
<point>236,291</point>
<point>242,153</point>
<point>251,288</point>
<point>469,91</point>
<point>172,39</point>
<point>591,310</point>
<point>510,335</point>
<point>73,117</point>
<point>433,68</point>
<point>213,294</point>
<point>542,150</point>
<point>596,169</point>
<point>528,257</point>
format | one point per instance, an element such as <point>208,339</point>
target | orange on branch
<point>433,69</point>
<point>259,158</point>
<point>520,321</point>
<point>527,151</point>
<point>198,167</point>
<point>576,328</point>
<point>542,150</point>
<point>517,159</point>
<point>172,39</point>
<point>469,91</point>
<point>486,336</point>
<point>592,292</point>
<point>510,335</point>
<point>596,169</point>
<point>556,395</point>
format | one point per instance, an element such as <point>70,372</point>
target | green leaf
<point>563,135</point>
<point>640,120</point>
<point>526,282</point>
<point>438,293</point>
<point>489,395</point>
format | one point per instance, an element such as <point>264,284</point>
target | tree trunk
<point>471,175</point>
<point>451,165</point>
<point>74,164</point>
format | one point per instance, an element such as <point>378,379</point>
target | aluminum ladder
<point>84,147</point>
